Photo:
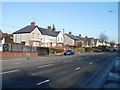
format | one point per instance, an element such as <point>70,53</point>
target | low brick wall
<point>18,54</point>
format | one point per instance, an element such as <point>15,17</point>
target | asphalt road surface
<point>77,71</point>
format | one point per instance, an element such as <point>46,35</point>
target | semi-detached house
<point>32,35</point>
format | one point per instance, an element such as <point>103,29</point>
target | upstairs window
<point>33,35</point>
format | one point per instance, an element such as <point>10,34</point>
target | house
<point>90,41</point>
<point>97,42</point>
<point>60,38</point>
<point>33,35</point>
<point>2,40</point>
<point>83,41</point>
<point>70,39</point>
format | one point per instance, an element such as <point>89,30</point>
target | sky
<point>85,18</point>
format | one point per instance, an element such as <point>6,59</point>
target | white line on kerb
<point>77,68</point>
<point>45,65</point>
<point>9,71</point>
<point>97,71</point>
<point>43,82</point>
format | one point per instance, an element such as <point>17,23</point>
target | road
<point>76,71</point>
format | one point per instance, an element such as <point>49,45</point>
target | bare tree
<point>103,37</point>
<point>112,42</point>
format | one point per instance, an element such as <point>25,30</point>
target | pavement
<point>75,71</point>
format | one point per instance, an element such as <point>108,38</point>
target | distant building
<point>2,40</point>
<point>70,39</point>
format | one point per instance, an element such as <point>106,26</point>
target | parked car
<point>69,52</point>
<point>98,50</point>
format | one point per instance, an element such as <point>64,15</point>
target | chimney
<point>32,23</point>
<point>49,28</point>
<point>70,33</point>
<point>86,36</point>
<point>79,35</point>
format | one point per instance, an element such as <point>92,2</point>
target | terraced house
<point>33,35</point>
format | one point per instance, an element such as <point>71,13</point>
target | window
<point>39,36</point>
<point>58,38</point>
<point>36,43</point>
<point>33,35</point>
<point>61,38</point>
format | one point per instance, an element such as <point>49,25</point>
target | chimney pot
<point>49,28</point>
<point>70,33</point>
<point>79,35</point>
<point>86,36</point>
<point>32,23</point>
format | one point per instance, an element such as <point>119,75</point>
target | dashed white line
<point>70,60</point>
<point>43,82</point>
<point>45,65</point>
<point>65,61</point>
<point>9,72</point>
<point>91,63</point>
<point>77,68</point>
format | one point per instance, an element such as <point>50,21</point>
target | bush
<point>89,49</point>
<point>80,49</point>
<point>52,51</point>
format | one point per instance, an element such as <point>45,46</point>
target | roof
<point>47,32</point>
<point>29,29</point>
<point>1,34</point>
<point>81,38</point>
<point>95,40</point>
<point>73,37</point>
<point>57,32</point>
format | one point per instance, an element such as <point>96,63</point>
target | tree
<point>112,43</point>
<point>103,37</point>
<point>53,28</point>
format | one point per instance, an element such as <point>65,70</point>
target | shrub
<point>89,49</point>
<point>52,51</point>
<point>80,50</point>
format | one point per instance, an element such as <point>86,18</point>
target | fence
<point>18,48</point>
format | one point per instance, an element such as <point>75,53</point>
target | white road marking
<point>65,61</point>
<point>43,82</point>
<point>70,60</point>
<point>9,71</point>
<point>16,63</point>
<point>91,63</point>
<point>97,71</point>
<point>45,65</point>
<point>77,68</point>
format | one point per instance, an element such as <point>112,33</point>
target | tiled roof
<point>47,32</point>
<point>1,34</point>
<point>57,32</point>
<point>72,37</point>
<point>81,38</point>
<point>29,29</point>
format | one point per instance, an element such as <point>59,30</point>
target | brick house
<point>70,39</point>
<point>32,35</point>
<point>2,40</point>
